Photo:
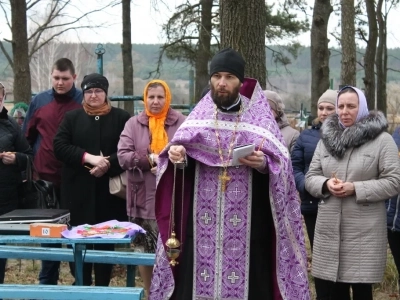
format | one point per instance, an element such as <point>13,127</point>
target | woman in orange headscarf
<point>143,138</point>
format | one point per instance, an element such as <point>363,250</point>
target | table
<point>78,245</point>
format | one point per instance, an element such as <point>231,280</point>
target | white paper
<point>241,151</point>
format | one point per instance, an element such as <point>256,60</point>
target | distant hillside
<point>293,82</point>
<point>145,57</point>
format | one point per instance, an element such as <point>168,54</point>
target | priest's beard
<point>224,100</point>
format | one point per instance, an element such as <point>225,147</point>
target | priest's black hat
<point>228,60</point>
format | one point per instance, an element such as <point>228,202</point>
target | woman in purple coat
<point>143,138</point>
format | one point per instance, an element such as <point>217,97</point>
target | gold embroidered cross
<point>224,178</point>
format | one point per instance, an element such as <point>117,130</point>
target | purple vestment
<point>222,220</point>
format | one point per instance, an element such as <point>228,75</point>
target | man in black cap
<point>44,116</point>
<point>238,222</point>
<point>227,75</point>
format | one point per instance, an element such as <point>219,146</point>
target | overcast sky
<point>146,23</point>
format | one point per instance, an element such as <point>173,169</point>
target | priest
<point>228,231</point>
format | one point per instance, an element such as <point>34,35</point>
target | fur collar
<point>338,139</point>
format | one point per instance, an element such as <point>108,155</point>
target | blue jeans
<point>50,269</point>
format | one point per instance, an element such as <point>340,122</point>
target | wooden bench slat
<point>62,292</point>
<point>65,254</point>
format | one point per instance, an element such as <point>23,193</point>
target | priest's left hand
<point>255,160</point>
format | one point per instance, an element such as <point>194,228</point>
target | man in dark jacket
<point>45,113</point>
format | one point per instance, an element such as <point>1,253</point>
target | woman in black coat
<point>302,155</point>
<point>86,143</point>
<point>14,153</point>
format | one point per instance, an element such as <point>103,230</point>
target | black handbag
<point>36,193</point>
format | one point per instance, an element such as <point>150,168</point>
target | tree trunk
<point>203,50</point>
<point>126,46</point>
<point>369,57</point>
<point>381,60</point>
<point>243,28</point>
<point>319,52</point>
<point>348,69</point>
<point>22,75</point>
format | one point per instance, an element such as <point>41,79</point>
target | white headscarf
<point>362,104</point>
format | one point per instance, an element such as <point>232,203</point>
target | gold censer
<point>173,244</point>
<point>172,251</point>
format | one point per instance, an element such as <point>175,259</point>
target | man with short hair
<point>45,113</point>
<point>236,232</point>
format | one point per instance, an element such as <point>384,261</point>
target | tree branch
<point>361,33</point>
<point>29,5</point>
<point>46,41</point>
<point>5,16</point>
<point>57,8</point>
<point>393,70</point>
<point>9,59</point>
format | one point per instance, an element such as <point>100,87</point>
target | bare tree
<point>348,69</point>
<point>239,19</point>
<point>381,59</point>
<point>204,48</point>
<point>20,66</point>
<point>83,58</point>
<point>126,47</point>
<point>42,62</point>
<point>24,46</point>
<point>381,62</point>
<point>319,51</point>
<point>370,51</point>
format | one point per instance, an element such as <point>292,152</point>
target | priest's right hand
<point>176,153</point>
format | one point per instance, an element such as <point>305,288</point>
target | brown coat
<point>350,235</point>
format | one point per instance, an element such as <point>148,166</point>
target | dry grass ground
<point>26,272</point>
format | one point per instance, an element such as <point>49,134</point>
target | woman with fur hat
<point>86,143</point>
<point>289,134</point>
<point>355,168</point>
<point>302,155</point>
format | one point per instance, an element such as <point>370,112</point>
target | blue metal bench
<point>79,246</point>
<point>71,292</point>
<point>130,259</point>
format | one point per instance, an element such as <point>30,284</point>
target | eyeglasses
<point>96,91</point>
